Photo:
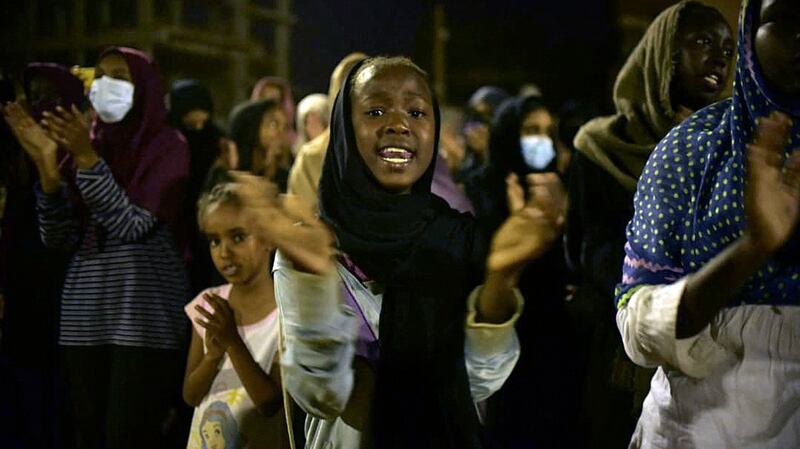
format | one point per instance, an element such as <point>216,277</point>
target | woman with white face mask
<point>115,202</point>
<point>536,406</point>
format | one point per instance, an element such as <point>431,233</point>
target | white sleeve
<point>490,350</point>
<point>647,324</point>
<point>320,339</point>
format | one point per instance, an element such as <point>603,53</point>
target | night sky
<point>567,47</point>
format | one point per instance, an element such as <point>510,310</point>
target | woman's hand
<point>220,326</point>
<point>532,227</point>
<point>772,193</point>
<point>33,138</point>
<point>71,130</point>
<point>288,224</point>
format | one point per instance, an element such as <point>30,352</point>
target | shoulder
<point>681,155</point>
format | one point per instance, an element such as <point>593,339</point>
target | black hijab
<point>486,189</point>
<point>428,257</point>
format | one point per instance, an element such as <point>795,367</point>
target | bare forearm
<point>496,303</point>
<point>716,285</point>
<point>49,177</point>
<point>263,391</point>
<point>198,383</point>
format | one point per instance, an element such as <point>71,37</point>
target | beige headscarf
<point>621,143</point>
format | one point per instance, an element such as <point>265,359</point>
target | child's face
<point>394,125</point>
<point>239,255</point>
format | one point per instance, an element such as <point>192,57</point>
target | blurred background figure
<point>478,119</point>
<point>279,90</point>
<point>31,275</point>
<point>523,143</point>
<point>312,119</point>
<point>258,128</point>
<point>191,111</point>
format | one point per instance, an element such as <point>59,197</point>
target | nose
<point>224,250</point>
<point>396,123</point>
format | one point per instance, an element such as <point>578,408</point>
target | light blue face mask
<point>538,151</point>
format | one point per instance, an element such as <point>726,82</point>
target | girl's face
<point>238,254</point>
<point>114,66</point>
<point>196,119</point>
<point>538,122</point>
<point>777,45</point>
<point>394,125</point>
<point>705,48</point>
<point>273,128</point>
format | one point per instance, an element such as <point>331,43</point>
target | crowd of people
<point>359,270</point>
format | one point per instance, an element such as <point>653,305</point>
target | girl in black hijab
<point>191,112</point>
<point>388,341</point>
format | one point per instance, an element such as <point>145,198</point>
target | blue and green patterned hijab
<point>690,197</point>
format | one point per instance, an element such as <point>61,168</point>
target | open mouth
<point>230,270</point>
<point>396,156</point>
<point>713,81</point>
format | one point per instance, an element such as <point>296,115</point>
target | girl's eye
<point>417,113</point>
<point>728,52</point>
<point>238,238</point>
<point>375,112</point>
<point>213,243</point>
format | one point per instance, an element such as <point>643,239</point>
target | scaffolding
<point>220,42</point>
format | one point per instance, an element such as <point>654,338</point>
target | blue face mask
<point>538,151</point>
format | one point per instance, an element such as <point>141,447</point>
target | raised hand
<point>532,227</point>
<point>772,193</point>
<point>288,224</point>
<point>33,138</point>
<point>71,130</point>
<point>220,326</point>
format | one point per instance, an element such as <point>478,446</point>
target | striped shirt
<point>126,283</point>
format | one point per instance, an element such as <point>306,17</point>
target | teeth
<point>397,156</point>
<point>713,79</point>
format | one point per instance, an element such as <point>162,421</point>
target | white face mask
<point>111,98</point>
<point>537,151</point>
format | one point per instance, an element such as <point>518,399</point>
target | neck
<point>252,300</point>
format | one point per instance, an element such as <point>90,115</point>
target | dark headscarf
<point>490,95</point>
<point>147,158</point>
<point>68,87</point>
<point>185,96</point>
<point>486,188</point>
<point>428,257</point>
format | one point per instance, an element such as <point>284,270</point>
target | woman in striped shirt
<point>114,202</point>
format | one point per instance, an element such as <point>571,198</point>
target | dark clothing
<point>540,403</point>
<point>429,257</point>
<point>599,211</point>
<point>121,395</point>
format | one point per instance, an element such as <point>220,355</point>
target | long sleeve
<point>320,339</point>
<point>58,226</point>
<point>490,350</point>
<point>647,325</point>
<point>110,205</point>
